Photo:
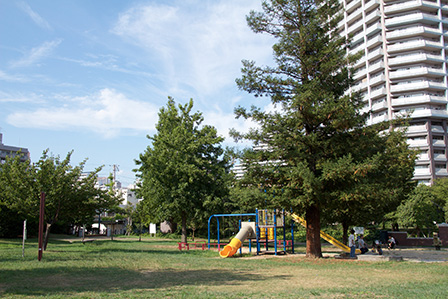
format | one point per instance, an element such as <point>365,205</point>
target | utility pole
<point>115,174</point>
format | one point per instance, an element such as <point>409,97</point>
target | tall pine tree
<point>314,151</point>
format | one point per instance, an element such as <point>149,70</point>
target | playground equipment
<point>325,236</point>
<point>263,230</point>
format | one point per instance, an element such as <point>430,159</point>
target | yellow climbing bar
<point>324,235</point>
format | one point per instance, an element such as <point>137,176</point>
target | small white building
<point>129,197</point>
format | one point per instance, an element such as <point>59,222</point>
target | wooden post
<point>41,224</point>
<point>24,238</point>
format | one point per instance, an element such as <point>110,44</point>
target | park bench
<point>184,245</point>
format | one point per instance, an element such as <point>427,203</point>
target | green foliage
<point>184,173</point>
<point>424,206</point>
<point>70,197</point>
<point>440,192</point>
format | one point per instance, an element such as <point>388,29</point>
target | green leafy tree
<point>185,169</point>
<point>141,218</point>
<point>17,193</point>
<point>308,151</point>
<point>424,206</point>
<point>421,210</point>
<point>440,191</point>
<point>70,196</point>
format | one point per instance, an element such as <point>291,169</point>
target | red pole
<point>41,224</point>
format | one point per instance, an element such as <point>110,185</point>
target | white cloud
<point>11,78</point>
<point>36,54</point>
<point>107,113</point>
<point>200,49</point>
<point>33,15</point>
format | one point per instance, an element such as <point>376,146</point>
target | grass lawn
<point>126,268</point>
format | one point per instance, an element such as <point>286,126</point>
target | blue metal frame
<point>226,215</point>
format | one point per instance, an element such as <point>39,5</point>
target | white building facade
<point>404,71</point>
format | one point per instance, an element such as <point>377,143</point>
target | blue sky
<point>91,76</point>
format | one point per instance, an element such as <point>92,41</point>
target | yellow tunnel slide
<point>235,244</point>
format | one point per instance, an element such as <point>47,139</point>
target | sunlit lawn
<point>127,268</point>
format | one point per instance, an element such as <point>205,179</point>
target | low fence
<point>402,238</point>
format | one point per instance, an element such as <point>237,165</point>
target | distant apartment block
<point>403,71</point>
<point>12,151</point>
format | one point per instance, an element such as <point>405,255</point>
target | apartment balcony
<point>360,62</point>
<point>440,157</point>
<point>418,44</point>
<point>377,93</point>
<point>438,143</point>
<point>377,80</point>
<point>353,15</point>
<point>422,157</point>
<point>412,19</point>
<point>416,72</point>
<point>352,6</point>
<point>413,31</point>
<point>355,27</point>
<point>425,113</point>
<point>373,29</point>
<point>376,67</point>
<point>416,129</point>
<point>360,74</point>
<point>379,119</point>
<point>424,99</point>
<point>360,86</point>
<point>371,5</point>
<point>417,85</point>
<point>364,110</point>
<point>379,106</point>
<point>356,50</point>
<point>422,172</point>
<point>410,5</point>
<point>417,142</point>
<point>437,129</point>
<point>375,41</point>
<point>415,58</point>
<point>372,16</point>
<point>441,172</point>
<point>358,38</point>
<point>375,54</point>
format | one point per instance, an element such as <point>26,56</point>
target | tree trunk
<point>313,245</point>
<point>140,235</point>
<point>47,235</point>
<point>344,232</point>
<point>184,228</point>
<point>83,232</point>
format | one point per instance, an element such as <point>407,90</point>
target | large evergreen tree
<point>314,152</point>
<point>184,172</point>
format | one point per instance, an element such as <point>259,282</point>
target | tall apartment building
<point>404,71</point>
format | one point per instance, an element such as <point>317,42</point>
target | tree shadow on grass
<point>60,280</point>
